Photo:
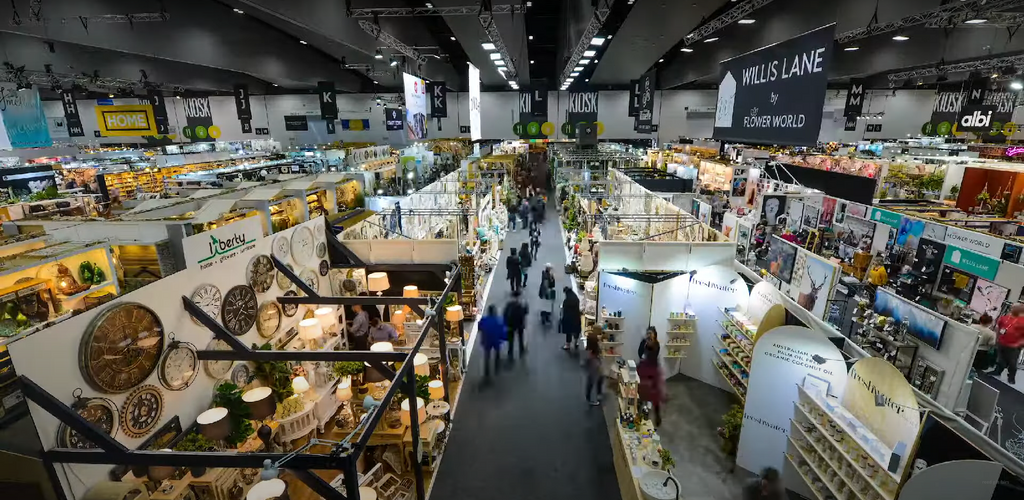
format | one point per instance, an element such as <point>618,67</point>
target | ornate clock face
<point>324,268</point>
<point>321,250</point>
<point>209,299</point>
<point>179,366</point>
<point>98,412</point>
<point>121,347</point>
<point>281,248</point>
<point>141,411</point>
<point>240,375</point>
<point>239,310</point>
<point>311,280</point>
<point>261,273</point>
<point>289,310</point>
<point>302,245</point>
<point>282,280</point>
<point>269,319</point>
<point>217,369</point>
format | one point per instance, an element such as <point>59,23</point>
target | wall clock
<point>281,248</point>
<point>261,273</point>
<point>240,375</point>
<point>100,412</point>
<point>289,310</point>
<point>217,369</point>
<point>302,245</point>
<point>282,279</point>
<point>208,298</point>
<point>321,250</point>
<point>239,309</point>
<point>311,280</point>
<point>121,347</point>
<point>179,366</point>
<point>324,268</point>
<point>269,319</point>
<point>141,411</point>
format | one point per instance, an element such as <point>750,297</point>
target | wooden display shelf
<point>810,484</point>
<point>92,289</point>
<point>849,483</point>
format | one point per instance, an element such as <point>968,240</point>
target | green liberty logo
<point>221,247</point>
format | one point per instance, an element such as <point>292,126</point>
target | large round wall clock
<point>217,369</point>
<point>100,412</point>
<point>179,366</point>
<point>208,298</point>
<point>141,411</point>
<point>281,248</point>
<point>302,245</point>
<point>310,278</point>
<point>121,347</point>
<point>261,273</point>
<point>289,310</point>
<point>282,279</point>
<point>240,375</point>
<point>269,319</point>
<point>239,309</point>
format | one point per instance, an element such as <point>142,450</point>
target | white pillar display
<point>762,297</point>
<point>782,361</point>
<point>959,479</point>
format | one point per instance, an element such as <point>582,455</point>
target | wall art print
<point>781,257</point>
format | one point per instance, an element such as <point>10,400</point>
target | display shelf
<point>742,396</point>
<point>677,342</point>
<point>92,289</point>
<point>806,479</point>
<point>821,475</point>
<point>728,364</point>
<point>862,436</point>
<point>830,462</point>
<point>738,341</point>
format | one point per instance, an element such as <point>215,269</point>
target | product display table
<point>627,473</point>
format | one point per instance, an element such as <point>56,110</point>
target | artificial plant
<point>229,396</point>
<point>422,389</point>
<point>732,421</point>
<point>289,407</point>
<point>954,191</point>
<point>344,368</point>
<point>667,462</point>
<point>195,442</point>
<point>274,374</point>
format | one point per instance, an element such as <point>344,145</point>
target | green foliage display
<point>343,368</point>
<point>195,442</point>
<point>274,374</point>
<point>289,407</point>
<point>230,396</point>
<point>931,182</point>
<point>732,422</point>
<point>422,389</point>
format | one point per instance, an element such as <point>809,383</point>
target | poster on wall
<point>415,106</point>
<point>772,207</point>
<point>815,285</point>
<point>582,108</point>
<point>739,181</point>
<point>475,130</point>
<point>199,120</point>
<point>936,232</point>
<point>988,298</point>
<point>781,257</point>
<point>828,212</point>
<point>1011,253</point>
<point>910,232</point>
<point>775,95</point>
<point>923,324</point>
<point>23,117</point>
<point>928,258</point>
<point>857,210</point>
<point>810,217</point>
<point>794,215</point>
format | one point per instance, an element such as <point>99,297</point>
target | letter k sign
<point>326,96</point>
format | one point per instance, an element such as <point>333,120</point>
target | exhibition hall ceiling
<point>278,46</point>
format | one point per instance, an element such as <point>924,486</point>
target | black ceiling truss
<point>343,455</point>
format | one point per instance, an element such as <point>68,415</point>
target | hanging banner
<point>531,117</point>
<point>355,125</point>
<point>854,99</point>
<point>325,94</point>
<point>1004,103</point>
<point>438,99</point>
<point>242,106</point>
<point>155,99</point>
<point>949,98</point>
<point>645,117</point>
<point>634,98</point>
<point>296,123</point>
<point>775,95</point>
<point>23,117</point>
<point>199,120</point>
<point>582,109</point>
<point>971,262</point>
<point>331,127</point>
<point>415,107</point>
<point>851,124</point>
<point>475,127</point>
<point>125,120</point>
<point>73,120</point>
<point>392,119</point>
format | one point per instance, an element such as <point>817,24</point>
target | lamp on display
<point>310,331</point>
<point>214,423</point>
<point>344,394</point>
<point>411,292</point>
<point>300,385</point>
<point>327,319</point>
<point>420,364</point>
<point>436,388</point>
<point>421,411</point>
<point>378,282</point>
<point>454,315</point>
<point>262,405</point>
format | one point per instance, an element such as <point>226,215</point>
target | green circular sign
<point>928,129</point>
<point>944,128</point>
<point>518,128</point>
<point>567,128</point>
<point>533,128</point>
<point>187,132</point>
<point>201,132</point>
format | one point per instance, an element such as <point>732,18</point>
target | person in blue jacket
<point>492,334</point>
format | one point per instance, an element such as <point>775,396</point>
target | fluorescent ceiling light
<point>746,21</point>
<point>661,60</point>
<point>1016,85</point>
<point>574,73</point>
<point>453,38</point>
<point>578,68</point>
<point>609,37</point>
<point>901,38</point>
<point>851,49</point>
<point>499,62</point>
<point>303,42</point>
<point>495,56</point>
<point>587,80</point>
<point>487,46</point>
<point>239,11</point>
<point>975,21</point>
<point>712,39</point>
<point>584,61</point>
<point>597,41</point>
<point>589,53</point>
<point>378,55</point>
<point>685,49</point>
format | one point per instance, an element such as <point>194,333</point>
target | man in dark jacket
<point>571,326</point>
<point>524,213</point>
<point>515,271</point>
<point>515,320</point>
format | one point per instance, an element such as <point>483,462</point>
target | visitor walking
<point>514,270</point>
<point>512,217</point>
<point>986,354</point>
<point>524,212</point>
<point>492,330</point>
<point>651,337</point>
<point>592,365</point>
<point>515,322</point>
<point>766,487</point>
<point>547,293</point>
<point>571,326</point>
<point>1011,338</point>
<point>652,382</point>
<point>360,329</point>
<point>534,242</point>
<point>381,331</point>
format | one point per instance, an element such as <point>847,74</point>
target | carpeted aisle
<point>530,434</point>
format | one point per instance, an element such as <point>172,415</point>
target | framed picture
<point>781,257</point>
<point>923,324</point>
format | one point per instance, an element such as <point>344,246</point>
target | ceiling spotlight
<point>488,46</point>
<point>238,11</point>
<point>531,61</point>
<point>574,73</point>
<point>274,84</point>
<point>584,61</point>
<point>303,42</point>
<point>975,21</point>
<point>375,82</point>
<point>746,21</point>
<point>378,54</point>
<point>901,38</point>
<point>453,38</point>
<point>712,39</point>
<point>995,75</point>
<point>429,5</point>
<point>661,60</point>
<point>1016,85</point>
<point>597,41</point>
<point>851,49</point>
<point>531,37</point>
<point>587,80</point>
<point>495,56</point>
<point>394,62</point>
<point>685,49</point>
<point>589,53</point>
<point>110,96</point>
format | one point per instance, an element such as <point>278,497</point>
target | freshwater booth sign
<point>775,95</point>
<point>210,248</point>
<point>126,120</point>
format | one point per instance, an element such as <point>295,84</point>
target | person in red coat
<point>1009,342</point>
<point>652,381</point>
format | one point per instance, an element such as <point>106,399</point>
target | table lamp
<point>326,317</point>
<point>382,347</point>
<point>454,315</point>
<point>310,331</point>
<point>412,292</point>
<point>263,406</point>
<point>398,320</point>
<point>420,364</point>
<point>421,411</point>
<point>436,388</point>
<point>300,386</point>
<point>344,394</point>
<point>214,423</point>
<point>378,282</point>
<point>367,493</point>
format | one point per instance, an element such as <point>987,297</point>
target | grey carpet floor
<point>530,433</point>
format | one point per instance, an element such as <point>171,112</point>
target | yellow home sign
<point>131,119</point>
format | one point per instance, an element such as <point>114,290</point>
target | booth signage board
<point>126,120</point>
<point>392,119</point>
<point>199,119</point>
<point>898,419</point>
<point>762,297</point>
<point>415,106</point>
<point>325,96</point>
<point>296,123</point>
<point>207,249</point>
<point>971,262</point>
<point>891,219</point>
<point>975,241</point>
<point>776,94</point>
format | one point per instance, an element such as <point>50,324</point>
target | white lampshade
<point>382,347</point>
<point>421,411</point>
<point>377,282</point>
<point>420,365</point>
<point>366,493</point>
<point>309,329</point>
<point>267,490</point>
<point>300,385</point>
<point>410,291</point>
<point>436,388</point>
<point>454,313</point>
<point>344,390</point>
<point>326,317</point>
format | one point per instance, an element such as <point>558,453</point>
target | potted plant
<point>667,462</point>
<point>274,374</point>
<point>730,430</point>
<point>351,369</point>
<point>229,396</point>
<point>196,442</point>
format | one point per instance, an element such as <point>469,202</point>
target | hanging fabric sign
<point>356,125</point>
<point>533,112</point>
<point>325,93</point>
<point>155,99</point>
<point>72,119</point>
<point>634,98</point>
<point>242,105</point>
<point>854,98</point>
<point>645,118</point>
<point>199,120</point>
<point>393,119</point>
<point>582,109</point>
<point>23,117</point>
<point>296,123</point>
<point>438,99</point>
